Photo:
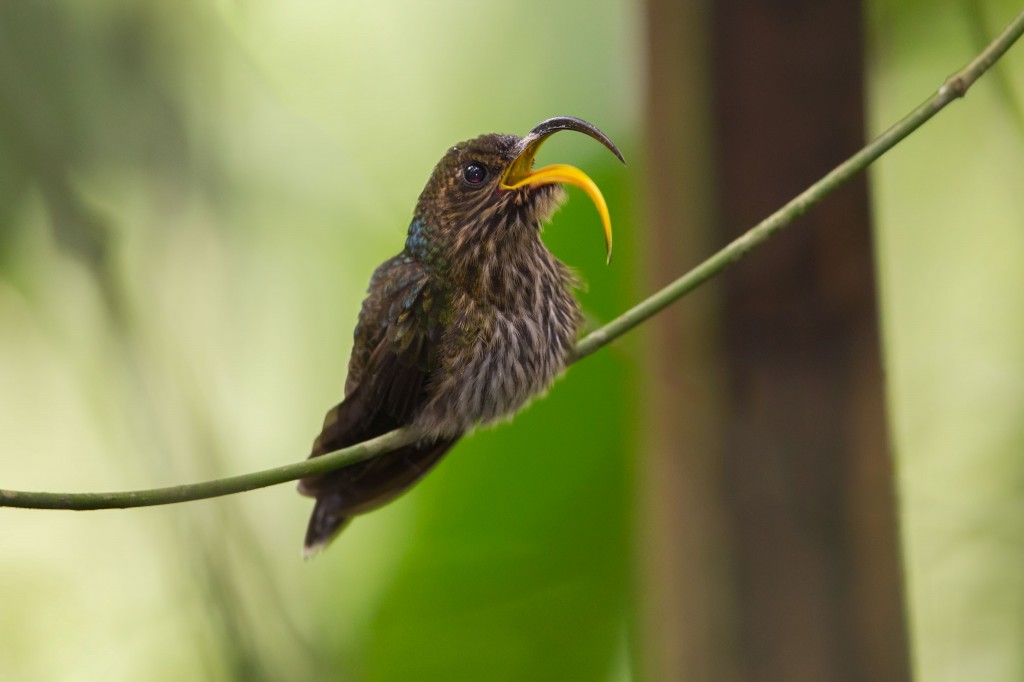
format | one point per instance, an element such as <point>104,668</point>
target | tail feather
<point>325,523</point>
<point>366,486</point>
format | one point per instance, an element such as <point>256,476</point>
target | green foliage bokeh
<point>192,200</point>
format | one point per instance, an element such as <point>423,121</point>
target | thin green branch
<point>954,87</point>
<point>215,488</point>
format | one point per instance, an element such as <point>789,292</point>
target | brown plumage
<point>469,322</point>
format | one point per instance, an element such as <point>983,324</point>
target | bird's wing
<point>402,307</point>
<point>396,350</point>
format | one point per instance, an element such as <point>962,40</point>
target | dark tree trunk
<point>771,546</point>
<point>819,592</point>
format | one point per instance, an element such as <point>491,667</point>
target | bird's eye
<point>474,173</point>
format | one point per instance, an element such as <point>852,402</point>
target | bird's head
<point>485,190</point>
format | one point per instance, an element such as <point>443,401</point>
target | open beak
<point>520,172</point>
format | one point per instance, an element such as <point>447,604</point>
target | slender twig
<point>215,488</point>
<point>955,86</point>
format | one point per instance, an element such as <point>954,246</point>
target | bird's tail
<point>365,486</point>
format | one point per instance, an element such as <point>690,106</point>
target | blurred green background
<point>192,199</point>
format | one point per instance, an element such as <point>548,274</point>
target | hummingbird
<point>473,319</point>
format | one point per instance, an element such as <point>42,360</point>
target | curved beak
<point>520,172</point>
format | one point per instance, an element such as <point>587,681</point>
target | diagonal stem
<point>956,86</point>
